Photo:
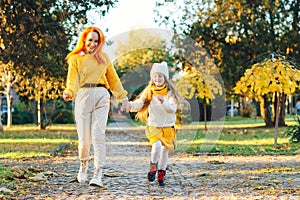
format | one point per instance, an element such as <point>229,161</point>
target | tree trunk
<point>1,125</point>
<point>281,121</point>
<point>277,111</point>
<point>205,118</point>
<point>9,105</point>
<point>281,115</point>
<point>266,112</point>
<point>45,120</point>
<point>41,122</point>
<point>39,114</point>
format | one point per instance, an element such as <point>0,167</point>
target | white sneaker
<point>82,174</point>
<point>97,178</point>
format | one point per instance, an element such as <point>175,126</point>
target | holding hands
<point>126,106</point>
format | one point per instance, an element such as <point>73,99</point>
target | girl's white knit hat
<point>160,68</point>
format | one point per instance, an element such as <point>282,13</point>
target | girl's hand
<point>126,106</point>
<point>160,99</point>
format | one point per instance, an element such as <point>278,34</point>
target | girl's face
<point>158,79</point>
<point>91,42</point>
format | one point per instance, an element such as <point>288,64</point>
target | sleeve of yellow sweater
<point>72,76</point>
<point>115,83</point>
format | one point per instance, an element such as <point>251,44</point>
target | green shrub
<point>294,131</point>
<point>23,117</point>
<point>63,116</point>
<point>247,111</point>
<point>19,117</point>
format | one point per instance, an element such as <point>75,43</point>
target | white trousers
<point>91,114</point>
<point>159,154</point>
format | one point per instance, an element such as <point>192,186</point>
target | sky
<point>128,15</point>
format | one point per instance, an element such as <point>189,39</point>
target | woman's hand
<point>67,96</point>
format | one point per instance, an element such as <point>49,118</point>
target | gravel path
<point>188,177</point>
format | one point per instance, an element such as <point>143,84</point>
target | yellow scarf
<point>159,90</point>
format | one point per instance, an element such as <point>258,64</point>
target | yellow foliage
<point>269,77</point>
<point>40,86</point>
<point>199,85</point>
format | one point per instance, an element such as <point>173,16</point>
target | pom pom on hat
<point>160,68</point>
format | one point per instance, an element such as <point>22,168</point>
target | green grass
<point>289,119</point>
<point>20,144</point>
<point>243,122</point>
<point>4,173</point>
<point>256,141</point>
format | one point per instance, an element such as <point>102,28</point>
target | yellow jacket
<point>84,68</point>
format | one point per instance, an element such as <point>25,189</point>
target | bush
<point>247,111</point>
<point>294,131</point>
<point>22,117</point>
<point>63,116</point>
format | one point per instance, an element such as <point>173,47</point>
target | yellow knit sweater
<point>84,68</point>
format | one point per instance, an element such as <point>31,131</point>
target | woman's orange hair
<point>81,44</point>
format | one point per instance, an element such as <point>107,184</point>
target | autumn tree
<point>41,87</point>
<point>9,75</point>
<point>201,78</point>
<point>270,80</point>
<point>238,33</point>
<point>37,34</point>
<point>32,32</point>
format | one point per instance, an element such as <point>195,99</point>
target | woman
<point>90,76</point>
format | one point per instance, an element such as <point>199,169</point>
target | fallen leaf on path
<point>50,173</point>
<point>202,174</point>
<point>38,177</point>
<point>253,178</point>
<point>23,192</point>
<point>73,180</point>
<point>20,172</point>
<point>112,175</point>
<point>216,162</point>
<point>5,190</point>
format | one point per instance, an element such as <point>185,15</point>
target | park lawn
<point>27,141</point>
<point>253,141</point>
<point>18,143</point>
<point>241,122</point>
<point>235,136</point>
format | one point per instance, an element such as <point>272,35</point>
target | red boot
<point>161,177</point>
<point>152,172</point>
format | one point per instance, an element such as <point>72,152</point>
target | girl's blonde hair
<point>142,114</point>
<point>81,44</point>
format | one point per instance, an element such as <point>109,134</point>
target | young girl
<point>157,105</point>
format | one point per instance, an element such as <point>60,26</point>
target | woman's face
<point>91,42</point>
<point>158,79</point>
